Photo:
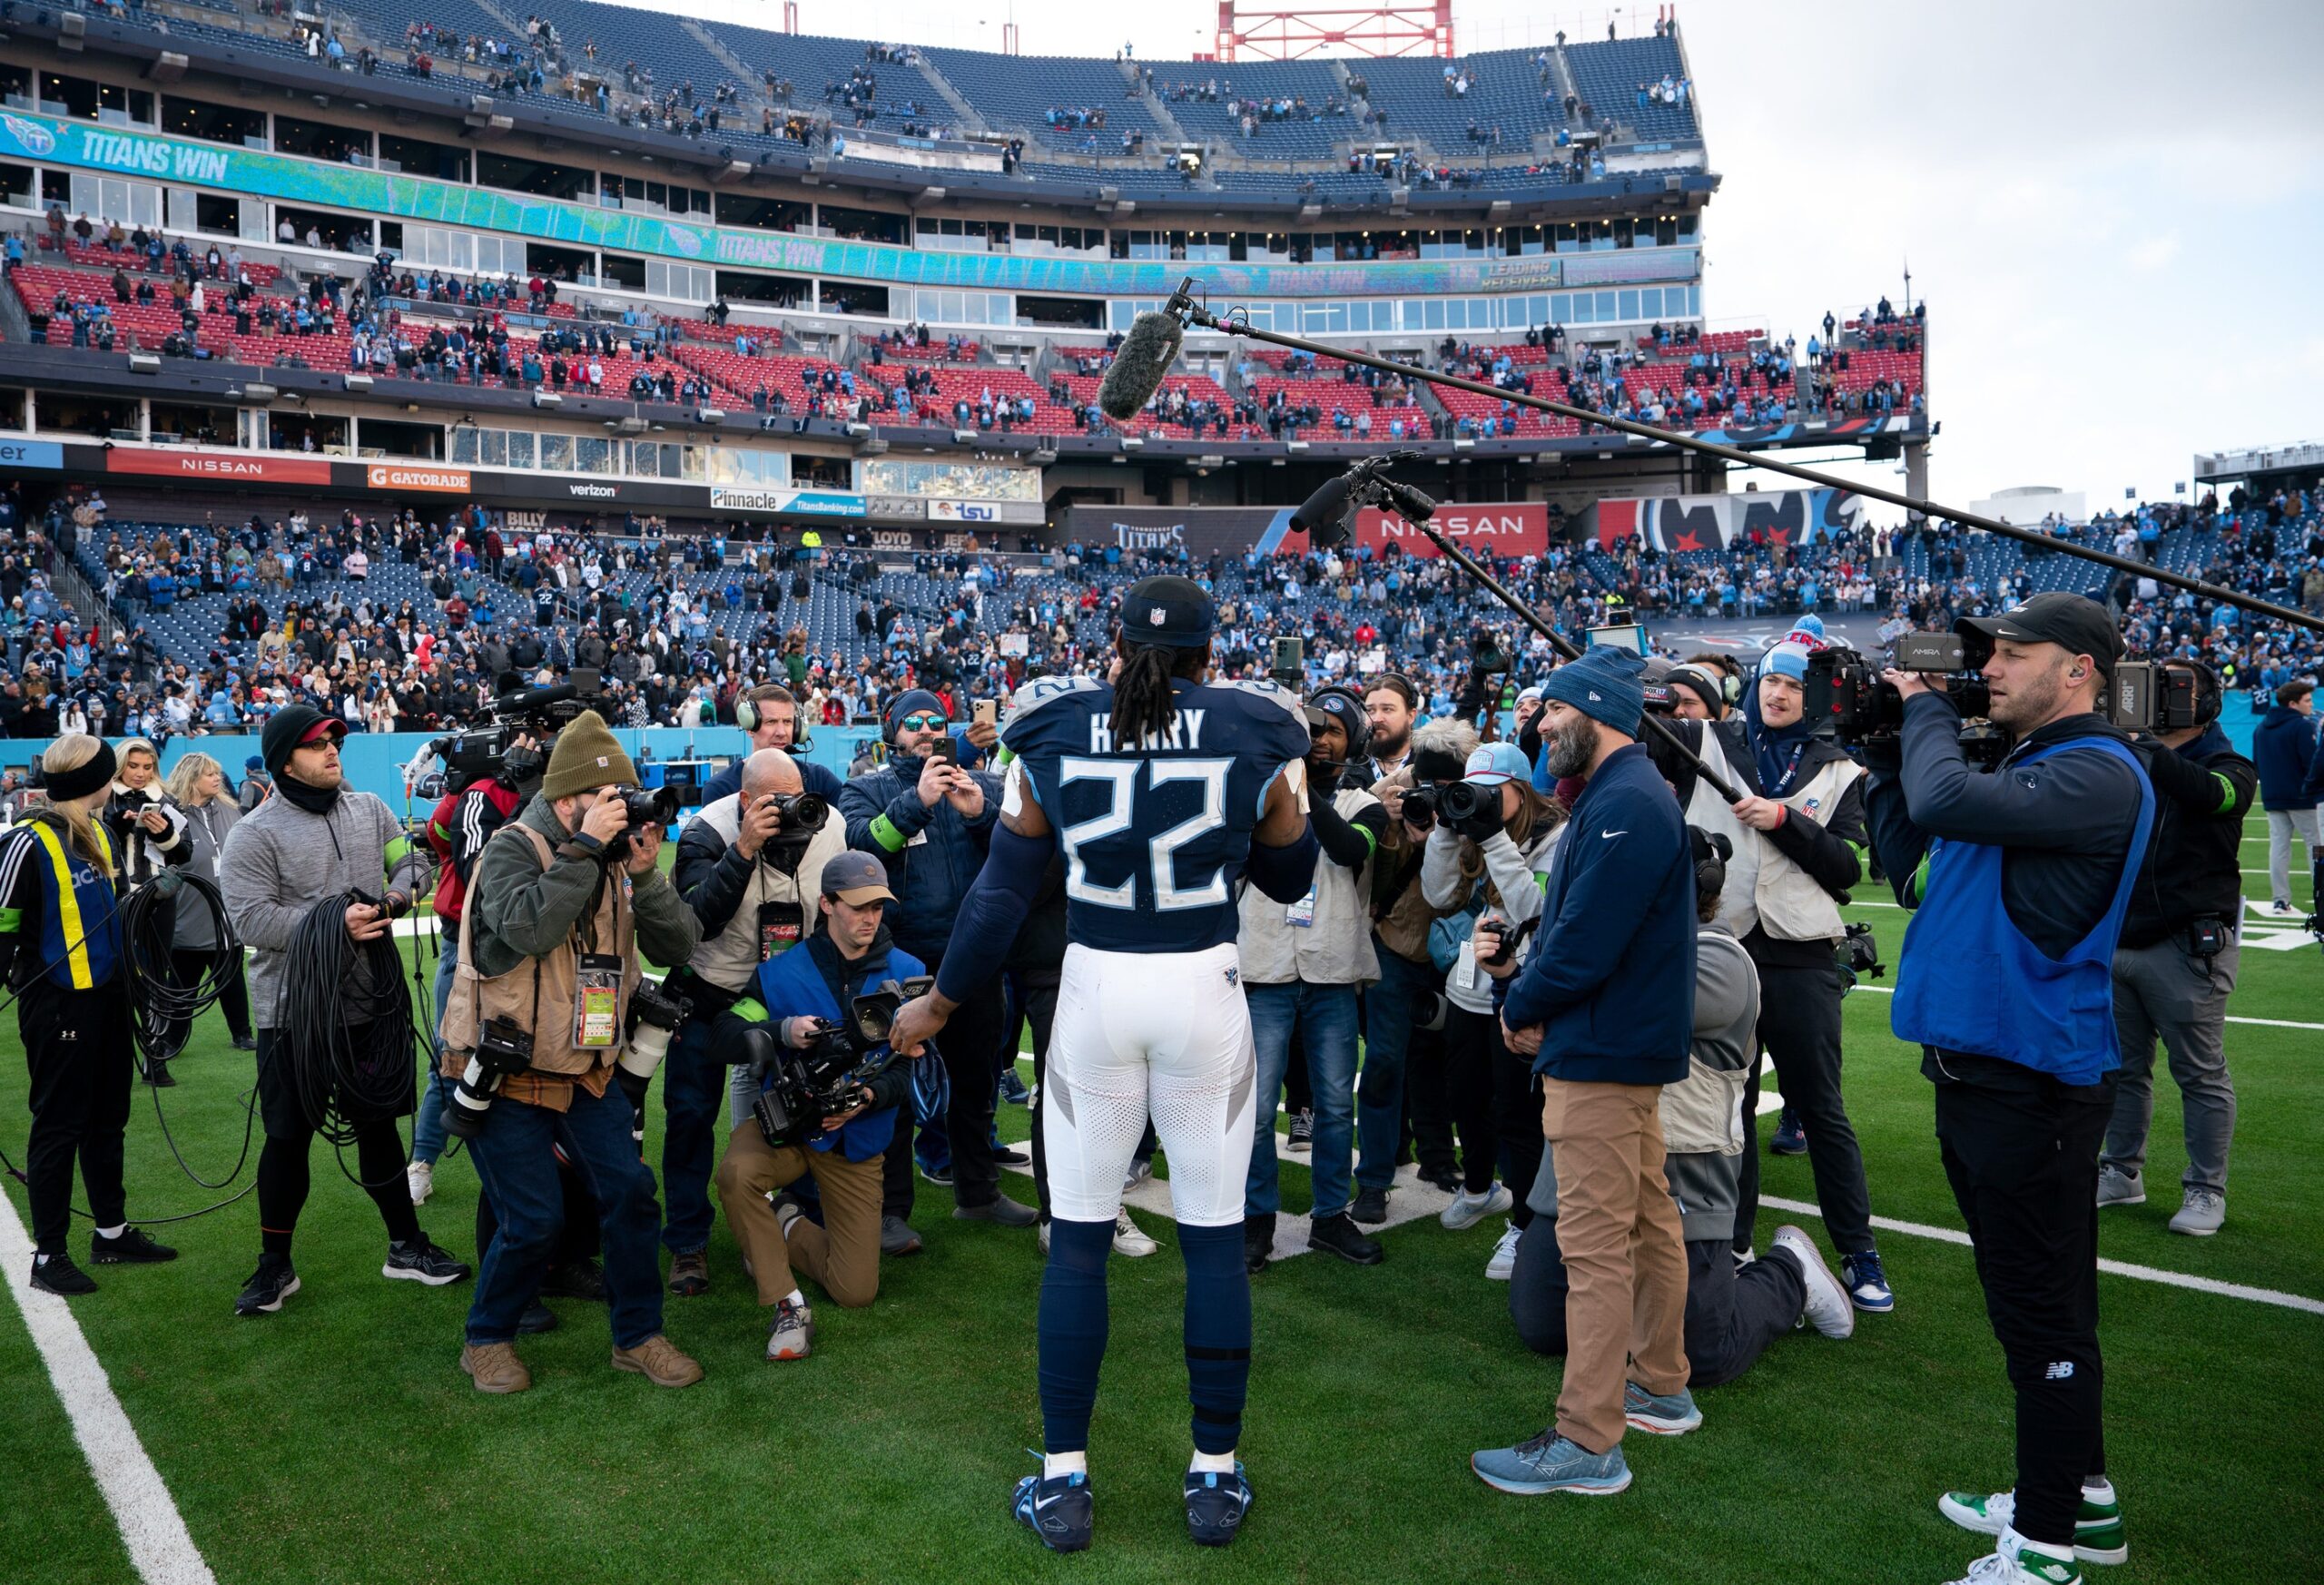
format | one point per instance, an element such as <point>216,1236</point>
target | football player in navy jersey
<point>1162,791</point>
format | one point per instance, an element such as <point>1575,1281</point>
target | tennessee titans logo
<point>30,135</point>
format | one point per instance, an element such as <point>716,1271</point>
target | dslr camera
<point>648,806</point>
<point>801,1088</point>
<point>503,1047</point>
<point>804,814</point>
<point>1857,955</point>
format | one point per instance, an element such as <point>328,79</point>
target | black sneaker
<point>1258,1241</point>
<point>58,1274</point>
<point>270,1285</point>
<point>1057,1509</point>
<point>245,1042</point>
<point>1370,1205</point>
<point>579,1279</point>
<point>157,1074</point>
<point>131,1248</point>
<point>1216,1505</point>
<point>1303,1131</point>
<point>1447,1178</point>
<point>942,1176</point>
<point>897,1238</point>
<point>1008,1155</point>
<point>420,1261</point>
<point>536,1319</point>
<point>1340,1236</point>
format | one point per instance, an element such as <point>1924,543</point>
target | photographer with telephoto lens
<point>747,866</point>
<point>567,896</point>
<point>798,1000</point>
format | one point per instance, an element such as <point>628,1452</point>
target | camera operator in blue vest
<point>798,994</point>
<point>2020,880</point>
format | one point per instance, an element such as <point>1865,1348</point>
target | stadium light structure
<point>1192,313</point>
<point>1292,33</point>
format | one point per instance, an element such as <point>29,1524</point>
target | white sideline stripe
<point>2121,1268</point>
<point>2262,1023</point>
<point>151,1526</point>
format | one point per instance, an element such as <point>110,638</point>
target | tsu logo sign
<point>963,512</point>
<point>1502,528</point>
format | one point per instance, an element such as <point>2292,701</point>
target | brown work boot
<point>494,1367</point>
<point>657,1359</point>
<point>689,1273</point>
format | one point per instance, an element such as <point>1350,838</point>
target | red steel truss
<point>1385,28</point>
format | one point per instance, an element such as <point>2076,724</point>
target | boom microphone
<point>1323,518</point>
<point>1146,355</point>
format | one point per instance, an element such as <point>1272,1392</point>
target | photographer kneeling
<point>565,896</point>
<point>801,995</point>
<point>1733,1313</point>
<point>748,866</point>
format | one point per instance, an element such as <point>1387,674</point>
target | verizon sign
<point>1493,528</point>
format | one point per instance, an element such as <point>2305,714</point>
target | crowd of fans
<point>678,623</point>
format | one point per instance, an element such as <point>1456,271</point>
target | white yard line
<point>2121,1268</point>
<point>151,1526</point>
<point>2262,1023</point>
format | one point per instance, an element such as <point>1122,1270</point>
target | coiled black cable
<point>344,1019</point>
<point>161,1011</point>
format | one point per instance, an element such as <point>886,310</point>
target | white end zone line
<point>160,1549</point>
<point>2121,1268</point>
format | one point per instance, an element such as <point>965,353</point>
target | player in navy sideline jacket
<point>1161,790</point>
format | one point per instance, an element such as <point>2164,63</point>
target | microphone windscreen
<point>1324,508</point>
<point>1144,358</point>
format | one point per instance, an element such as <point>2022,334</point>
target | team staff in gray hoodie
<point>316,838</point>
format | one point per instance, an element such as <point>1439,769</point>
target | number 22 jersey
<point>1154,835</point>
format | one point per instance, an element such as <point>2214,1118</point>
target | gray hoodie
<point>279,861</point>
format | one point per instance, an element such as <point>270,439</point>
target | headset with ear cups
<point>1711,850</point>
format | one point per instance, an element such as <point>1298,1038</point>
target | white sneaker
<point>2202,1213</point>
<point>2278,910</point>
<point>1503,1263</point>
<point>2016,1562</point>
<point>1827,1308</point>
<point>2117,1188</point>
<point>421,1176</point>
<point>1130,1239</point>
<point>1467,1209</point>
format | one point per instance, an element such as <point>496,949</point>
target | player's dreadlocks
<point>1144,705</point>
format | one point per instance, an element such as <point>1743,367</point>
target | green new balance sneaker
<point>2098,1533</point>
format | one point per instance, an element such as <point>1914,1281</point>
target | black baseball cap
<point>1172,612</point>
<point>2074,622</point>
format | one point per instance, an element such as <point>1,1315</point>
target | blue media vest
<point>1969,981</point>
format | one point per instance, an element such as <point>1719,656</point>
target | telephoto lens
<point>1420,807</point>
<point>654,1016</point>
<point>657,807</point>
<point>503,1047</point>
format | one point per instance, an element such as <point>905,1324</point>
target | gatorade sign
<point>407,476</point>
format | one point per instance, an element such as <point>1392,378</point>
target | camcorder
<point>655,1015</point>
<point>800,1089</point>
<point>1844,692</point>
<point>503,1047</point>
<point>490,753</point>
<point>2155,696</point>
<point>1487,662</point>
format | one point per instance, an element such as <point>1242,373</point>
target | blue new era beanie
<point>1605,685</point>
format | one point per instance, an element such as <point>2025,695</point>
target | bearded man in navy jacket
<point>1605,1007</point>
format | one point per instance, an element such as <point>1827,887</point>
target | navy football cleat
<point>1216,1505</point>
<point>1057,1509</point>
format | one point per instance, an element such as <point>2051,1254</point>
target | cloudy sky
<point>2112,210</point>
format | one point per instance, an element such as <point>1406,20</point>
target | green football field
<point>338,1441</point>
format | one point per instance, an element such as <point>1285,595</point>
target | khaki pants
<point>843,1255</point>
<point>1625,1259</point>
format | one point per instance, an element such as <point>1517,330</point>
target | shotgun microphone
<point>1144,357</point>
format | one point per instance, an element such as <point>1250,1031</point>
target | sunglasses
<point>922,723</point>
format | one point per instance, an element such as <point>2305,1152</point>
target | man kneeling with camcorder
<point>815,1036</point>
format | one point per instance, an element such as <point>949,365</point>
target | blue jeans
<point>693,1084</point>
<point>428,1127</point>
<point>1325,1018</point>
<point>515,1157</point>
<point>1388,1007</point>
